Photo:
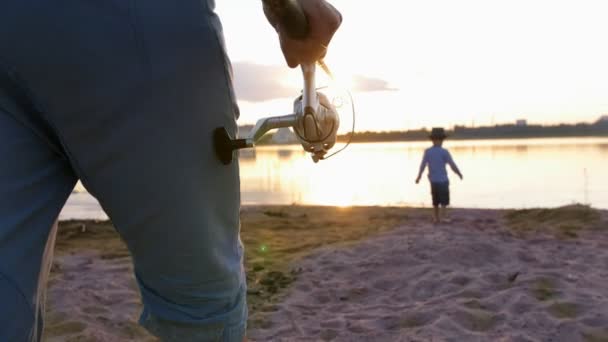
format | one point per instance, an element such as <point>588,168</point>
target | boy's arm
<point>422,167</point>
<point>453,166</point>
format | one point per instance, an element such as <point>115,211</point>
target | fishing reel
<point>314,121</point>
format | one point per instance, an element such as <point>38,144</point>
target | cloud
<point>258,83</point>
<point>368,84</point>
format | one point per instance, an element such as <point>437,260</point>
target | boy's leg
<point>135,90</point>
<point>435,194</point>
<point>444,214</point>
<point>441,199</point>
<point>445,201</point>
<point>35,182</point>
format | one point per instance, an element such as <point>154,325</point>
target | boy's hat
<point>438,133</point>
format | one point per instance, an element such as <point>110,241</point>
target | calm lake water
<point>520,173</point>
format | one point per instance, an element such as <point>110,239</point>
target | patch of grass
<point>415,320</point>
<point>596,335</point>
<point>544,289</point>
<point>478,320</point>
<point>569,230</point>
<point>69,327</point>
<point>563,310</point>
<point>474,304</point>
<point>471,294</point>
<point>276,236</point>
<point>563,222</point>
<point>411,322</point>
<point>275,213</point>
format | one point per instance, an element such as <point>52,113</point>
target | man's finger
<point>290,59</point>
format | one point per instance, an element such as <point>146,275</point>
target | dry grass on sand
<point>370,274</point>
<point>93,296</point>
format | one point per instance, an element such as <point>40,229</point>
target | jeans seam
<point>138,36</point>
<point>19,291</point>
<point>227,68</point>
<point>32,99</point>
<point>25,99</point>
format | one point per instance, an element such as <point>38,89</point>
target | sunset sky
<point>413,64</point>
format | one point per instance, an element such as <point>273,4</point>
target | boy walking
<point>436,157</point>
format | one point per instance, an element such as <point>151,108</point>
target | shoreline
<point>86,208</point>
<point>92,294</point>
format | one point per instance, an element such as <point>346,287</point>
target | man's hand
<point>417,179</point>
<point>460,175</point>
<point>323,21</point>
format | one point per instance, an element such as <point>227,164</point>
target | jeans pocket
<point>228,72</point>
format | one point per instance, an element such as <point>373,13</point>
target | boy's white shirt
<point>437,157</point>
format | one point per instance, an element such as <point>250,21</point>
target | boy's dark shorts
<point>441,193</point>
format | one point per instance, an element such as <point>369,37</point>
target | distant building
<point>521,123</point>
<point>284,136</point>
<point>603,119</point>
<point>244,131</point>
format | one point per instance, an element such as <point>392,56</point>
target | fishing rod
<point>314,120</point>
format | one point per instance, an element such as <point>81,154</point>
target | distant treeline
<point>599,128</point>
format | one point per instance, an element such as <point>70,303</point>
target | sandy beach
<point>370,274</point>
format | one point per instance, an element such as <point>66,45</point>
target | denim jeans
<point>123,95</point>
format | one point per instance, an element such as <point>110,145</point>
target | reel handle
<point>224,145</point>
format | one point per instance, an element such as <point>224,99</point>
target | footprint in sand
<point>333,324</point>
<point>597,321</point>
<point>520,338</point>
<point>500,281</point>
<point>338,308</point>
<point>473,254</point>
<point>564,310</point>
<point>472,293</point>
<point>334,269</point>
<point>303,287</point>
<point>269,308</point>
<point>521,305</point>
<point>357,328</point>
<point>386,284</point>
<point>368,274</point>
<point>131,329</point>
<point>95,310</point>
<point>355,294</point>
<point>424,290</point>
<point>321,297</point>
<point>116,255</point>
<point>494,278</point>
<point>477,320</point>
<point>489,305</point>
<point>120,269</point>
<point>409,320</point>
<point>419,272</point>
<point>526,256</point>
<point>328,335</point>
<point>55,317</point>
<point>596,335</point>
<point>460,280</point>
